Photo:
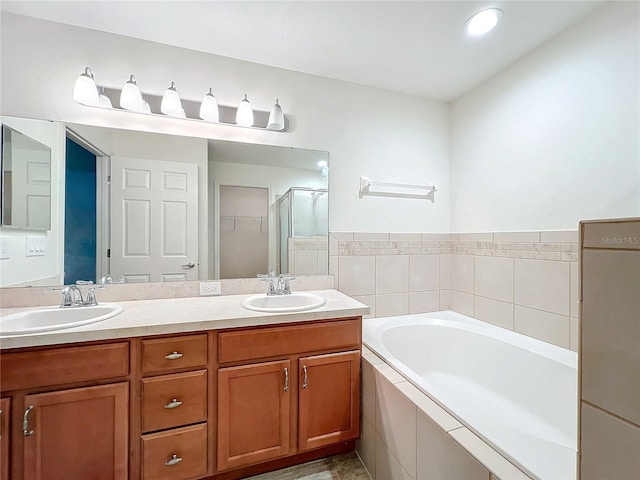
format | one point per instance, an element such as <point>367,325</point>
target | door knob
<point>189,265</point>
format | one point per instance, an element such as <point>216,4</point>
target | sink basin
<point>296,302</point>
<point>54,318</point>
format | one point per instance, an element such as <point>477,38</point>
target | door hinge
<point>109,180</point>
<point>108,253</point>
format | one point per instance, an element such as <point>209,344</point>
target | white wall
<point>555,138</point>
<point>48,269</point>
<point>368,132</point>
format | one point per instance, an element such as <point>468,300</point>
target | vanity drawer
<point>159,410</point>
<point>235,346</point>
<point>57,366</point>
<point>188,444</point>
<point>165,354</point>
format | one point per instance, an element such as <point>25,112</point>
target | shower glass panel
<point>304,223</point>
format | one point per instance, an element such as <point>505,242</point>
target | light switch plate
<point>36,246</point>
<point>5,247</point>
<point>210,288</point>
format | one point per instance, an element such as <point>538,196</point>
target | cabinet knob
<point>25,422</point>
<point>173,356</point>
<point>173,404</point>
<point>174,460</point>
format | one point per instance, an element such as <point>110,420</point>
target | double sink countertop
<point>182,315</point>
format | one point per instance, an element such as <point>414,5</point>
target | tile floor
<point>346,466</point>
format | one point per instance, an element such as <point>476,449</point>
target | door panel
<point>5,419</point>
<point>329,399</point>
<point>253,413</point>
<point>154,233</point>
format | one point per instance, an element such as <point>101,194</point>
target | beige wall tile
<point>487,456</point>
<point>392,273</point>
<point>574,290</point>
<point>333,268</point>
<point>370,301</point>
<point>424,272</point>
<point>428,407</point>
<point>545,326</point>
<point>610,446</point>
<point>421,302</point>
<point>461,273</point>
<point>516,237</point>
<point>343,236</point>
<point>494,278</point>
<point>445,273</point>
<point>476,237</point>
<point>611,331</point>
<point>357,275</point>
<point>435,237</point>
<point>370,237</point>
<point>368,390</point>
<point>396,424</point>
<point>388,305</point>
<point>387,465</point>
<point>306,262</point>
<point>440,457</point>
<point>461,302</point>
<point>494,311</point>
<point>323,264</point>
<point>405,237</point>
<point>333,244</point>
<point>384,371</point>
<point>445,303</point>
<point>563,236</point>
<point>543,284</point>
<point>574,339</point>
<point>366,447</point>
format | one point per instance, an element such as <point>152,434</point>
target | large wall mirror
<point>146,207</point>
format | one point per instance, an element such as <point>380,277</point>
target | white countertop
<point>179,315</point>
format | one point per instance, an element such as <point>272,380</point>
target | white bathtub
<point>517,393</point>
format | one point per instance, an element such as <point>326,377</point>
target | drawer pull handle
<point>304,380</point>
<point>286,379</point>
<point>173,404</point>
<point>25,422</point>
<point>174,460</point>
<point>173,356</point>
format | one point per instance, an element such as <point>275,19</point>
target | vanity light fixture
<point>130,96</point>
<point>483,22</point>
<point>209,108</point>
<point>322,163</point>
<point>276,118</point>
<point>244,115</point>
<point>85,90</point>
<point>171,104</point>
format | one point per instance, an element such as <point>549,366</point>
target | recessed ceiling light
<point>322,163</point>
<point>483,21</point>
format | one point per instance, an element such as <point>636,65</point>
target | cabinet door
<point>77,434</point>
<point>329,399</point>
<point>5,419</point>
<point>253,413</point>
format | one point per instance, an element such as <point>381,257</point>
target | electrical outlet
<point>210,288</point>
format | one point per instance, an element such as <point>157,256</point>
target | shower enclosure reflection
<point>303,216</point>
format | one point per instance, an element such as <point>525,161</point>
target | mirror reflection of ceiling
<point>369,43</point>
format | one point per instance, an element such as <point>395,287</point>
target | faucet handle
<point>67,299</point>
<point>91,297</point>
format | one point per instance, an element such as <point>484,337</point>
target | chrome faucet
<point>283,287</point>
<point>277,285</point>
<point>72,297</point>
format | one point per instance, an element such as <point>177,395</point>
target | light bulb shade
<point>85,90</point>
<point>276,118</point>
<point>209,108</point>
<point>146,108</point>
<point>130,96</point>
<point>171,104</point>
<point>244,115</point>
<point>104,101</point>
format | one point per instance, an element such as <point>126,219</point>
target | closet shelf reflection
<point>233,223</point>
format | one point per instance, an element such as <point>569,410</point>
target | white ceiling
<point>415,47</point>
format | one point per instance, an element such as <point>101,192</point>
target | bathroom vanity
<point>219,392</point>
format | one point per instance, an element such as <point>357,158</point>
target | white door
<point>154,220</point>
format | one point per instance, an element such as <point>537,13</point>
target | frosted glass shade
<point>85,90</point>
<point>276,118</point>
<point>483,22</point>
<point>171,104</point>
<point>130,96</point>
<point>209,108</point>
<point>244,115</point>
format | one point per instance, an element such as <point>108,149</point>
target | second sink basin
<point>48,319</point>
<point>296,302</point>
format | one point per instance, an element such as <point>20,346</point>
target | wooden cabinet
<point>266,411</point>
<point>77,434</point>
<point>5,417</point>
<point>253,413</point>
<point>329,399</point>
<point>175,454</point>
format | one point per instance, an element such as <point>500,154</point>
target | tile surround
<point>487,275</point>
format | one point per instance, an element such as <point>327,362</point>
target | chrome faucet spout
<point>71,297</point>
